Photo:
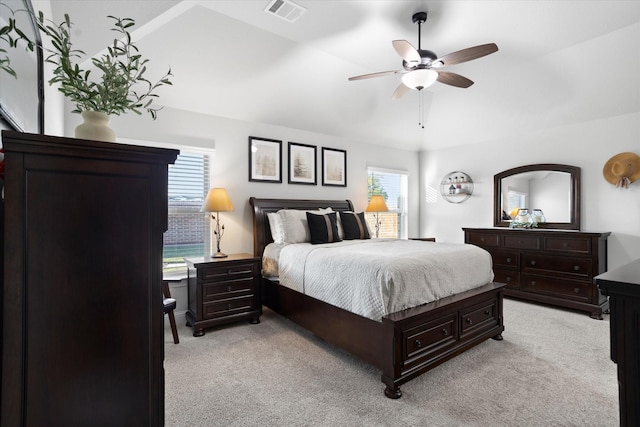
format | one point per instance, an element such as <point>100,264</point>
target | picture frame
<point>334,167</point>
<point>265,160</point>
<point>303,160</point>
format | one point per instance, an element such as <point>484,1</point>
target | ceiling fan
<point>420,67</point>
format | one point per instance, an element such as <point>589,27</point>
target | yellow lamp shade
<point>377,204</point>
<point>217,200</point>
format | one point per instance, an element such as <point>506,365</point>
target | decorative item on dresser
<point>622,285</point>
<point>83,282</point>
<point>556,267</point>
<point>223,290</point>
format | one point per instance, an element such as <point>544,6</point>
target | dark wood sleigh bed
<point>404,344</point>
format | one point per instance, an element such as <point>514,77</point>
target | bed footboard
<point>423,337</point>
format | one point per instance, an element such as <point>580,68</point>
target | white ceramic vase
<point>95,127</point>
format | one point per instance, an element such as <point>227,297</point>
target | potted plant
<point>122,86</point>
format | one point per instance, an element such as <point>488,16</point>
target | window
<point>188,233</point>
<point>393,187</point>
<point>516,200</point>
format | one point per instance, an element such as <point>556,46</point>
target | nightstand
<point>223,290</point>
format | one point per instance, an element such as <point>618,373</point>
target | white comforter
<point>376,277</point>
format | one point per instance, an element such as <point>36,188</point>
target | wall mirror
<point>552,188</point>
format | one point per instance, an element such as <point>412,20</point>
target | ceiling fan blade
<point>406,51</point>
<point>454,79</point>
<point>400,91</point>
<point>465,55</point>
<point>369,76</point>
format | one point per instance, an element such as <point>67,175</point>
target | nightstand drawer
<point>228,307</point>
<point>227,289</point>
<point>227,272</point>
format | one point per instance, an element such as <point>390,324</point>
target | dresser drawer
<point>228,306</point>
<point>567,244</point>
<point>423,340</point>
<point>505,259</point>
<point>510,277</point>
<point>488,240</point>
<point>565,289</point>
<point>227,271</point>
<point>227,289</point>
<point>478,317</point>
<point>519,240</point>
<point>556,264</point>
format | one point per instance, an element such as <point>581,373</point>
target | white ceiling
<point>560,62</point>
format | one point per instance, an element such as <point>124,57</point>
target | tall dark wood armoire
<point>83,339</point>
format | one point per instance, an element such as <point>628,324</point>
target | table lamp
<point>217,201</point>
<point>377,204</point>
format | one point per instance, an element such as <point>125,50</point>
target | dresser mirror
<point>552,188</point>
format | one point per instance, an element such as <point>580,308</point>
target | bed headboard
<point>261,207</point>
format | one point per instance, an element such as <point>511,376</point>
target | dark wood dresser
<point>549,266</point>
<point>622,285</point>
<point>83,331</point>
<point>223,290</point>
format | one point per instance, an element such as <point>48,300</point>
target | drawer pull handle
<point>576,290</point>
<point>469,321</point>
<point>576,268</point>
<point>533,283</point>
<point>445,332</point>
<point>487,312</point>
<point>565,244</point>
<point>508,259</point>
<point>482,239</point>
<point>228,306</point>
<point>418,343</point>
<point>229,288</point>
<point>533,262</point>
<point>508,278</point>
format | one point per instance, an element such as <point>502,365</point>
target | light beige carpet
<point>552,369</point>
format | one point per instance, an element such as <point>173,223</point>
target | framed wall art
<point>265,160</point>
<point>302,164</point>
<point>334,167</point>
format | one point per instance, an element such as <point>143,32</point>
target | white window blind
<point>392,185</point>
<point>188,232</point>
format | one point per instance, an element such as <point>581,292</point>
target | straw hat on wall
<point>622,169</point>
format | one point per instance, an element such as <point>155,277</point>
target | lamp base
<point>219,255</point>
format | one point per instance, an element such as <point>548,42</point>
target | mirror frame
<point>574,171</point>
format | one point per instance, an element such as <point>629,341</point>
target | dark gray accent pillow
<point>323,228</point>
<point>354,225</point>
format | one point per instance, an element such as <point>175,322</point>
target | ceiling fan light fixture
<point>420,79</point>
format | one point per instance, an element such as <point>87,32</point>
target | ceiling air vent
<point>285,9</point>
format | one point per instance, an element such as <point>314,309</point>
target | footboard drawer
<point>425,339</point>
<point>478,318</point>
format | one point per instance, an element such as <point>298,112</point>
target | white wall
<point>230,164</point>
<point>586,145</point>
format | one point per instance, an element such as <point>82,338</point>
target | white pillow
<point>275,224</point>
<point>295,228</point>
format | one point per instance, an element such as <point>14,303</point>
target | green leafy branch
<point>11,35</point>
<point>122,86</point>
